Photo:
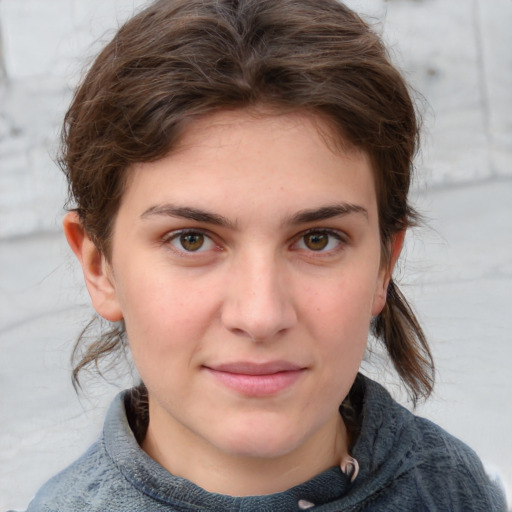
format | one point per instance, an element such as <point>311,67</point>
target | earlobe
<point>379,300</point>
<point>95,268</point>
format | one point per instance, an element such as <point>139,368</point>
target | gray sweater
<point>406,464</point>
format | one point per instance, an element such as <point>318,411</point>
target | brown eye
<point>320,240</point>
<point>316,241</point>
<point>192,241</point>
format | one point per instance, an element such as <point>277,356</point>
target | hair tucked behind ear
<point>399,330</point>
<point>102,350</point>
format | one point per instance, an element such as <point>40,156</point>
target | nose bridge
<point>258,303</point>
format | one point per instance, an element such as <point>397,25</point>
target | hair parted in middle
<point>178,60</point>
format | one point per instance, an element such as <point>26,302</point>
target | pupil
<point>317,241</point>
<point>192,242</point>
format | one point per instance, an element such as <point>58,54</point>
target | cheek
<point>339,321</point>
<point>163,316</point>
<point>339,327</point>
<point>345,304</point>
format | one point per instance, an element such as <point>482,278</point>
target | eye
<point>190,241</point>
<point>319,241</point>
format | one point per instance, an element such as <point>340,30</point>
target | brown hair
<point>180,59</point>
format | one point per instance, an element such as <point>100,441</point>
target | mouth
<point>256,379</point>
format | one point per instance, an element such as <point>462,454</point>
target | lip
<point>257,379</point>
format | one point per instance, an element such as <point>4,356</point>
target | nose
<point>258,302</point>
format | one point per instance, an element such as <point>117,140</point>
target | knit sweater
<point>406,463</point>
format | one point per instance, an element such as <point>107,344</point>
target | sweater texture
<point>406,463</point>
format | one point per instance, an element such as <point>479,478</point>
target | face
<point>246,266</point>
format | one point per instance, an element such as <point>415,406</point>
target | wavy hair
<point>177,60</point>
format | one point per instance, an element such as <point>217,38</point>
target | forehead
<point>267,123</point>
<point>255,156</point>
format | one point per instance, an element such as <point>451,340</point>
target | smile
<point>257,380</point>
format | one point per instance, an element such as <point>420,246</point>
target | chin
<point>264,442</point>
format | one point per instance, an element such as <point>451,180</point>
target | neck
<point>193,458</point>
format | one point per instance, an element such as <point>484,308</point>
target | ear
<point>97,271</point>
<point>385,273</point>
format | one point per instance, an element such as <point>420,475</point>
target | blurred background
<point>457,269</point>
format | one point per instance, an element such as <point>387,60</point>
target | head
<point>180,62</point>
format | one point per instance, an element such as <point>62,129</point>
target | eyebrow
<point>301,217</point>
<point>187,212</point>
<point>327,212</point>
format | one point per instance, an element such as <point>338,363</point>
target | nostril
<point>247,334</point>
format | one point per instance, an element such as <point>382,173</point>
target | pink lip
<point>254,379</point>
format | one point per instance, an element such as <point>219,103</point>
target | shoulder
<point>411,460</point>
<point>447,466</point>
<point>95,482</point>
<point>89,484</point>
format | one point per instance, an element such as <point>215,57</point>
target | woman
<point>239,175</point>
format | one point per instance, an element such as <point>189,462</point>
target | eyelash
<point>339,237</point>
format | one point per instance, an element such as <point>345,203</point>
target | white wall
<point>45,46</point>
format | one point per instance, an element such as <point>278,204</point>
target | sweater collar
<point>150,478</point>
<point>378,449</point>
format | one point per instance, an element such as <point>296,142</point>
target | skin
<point>278,275</point>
